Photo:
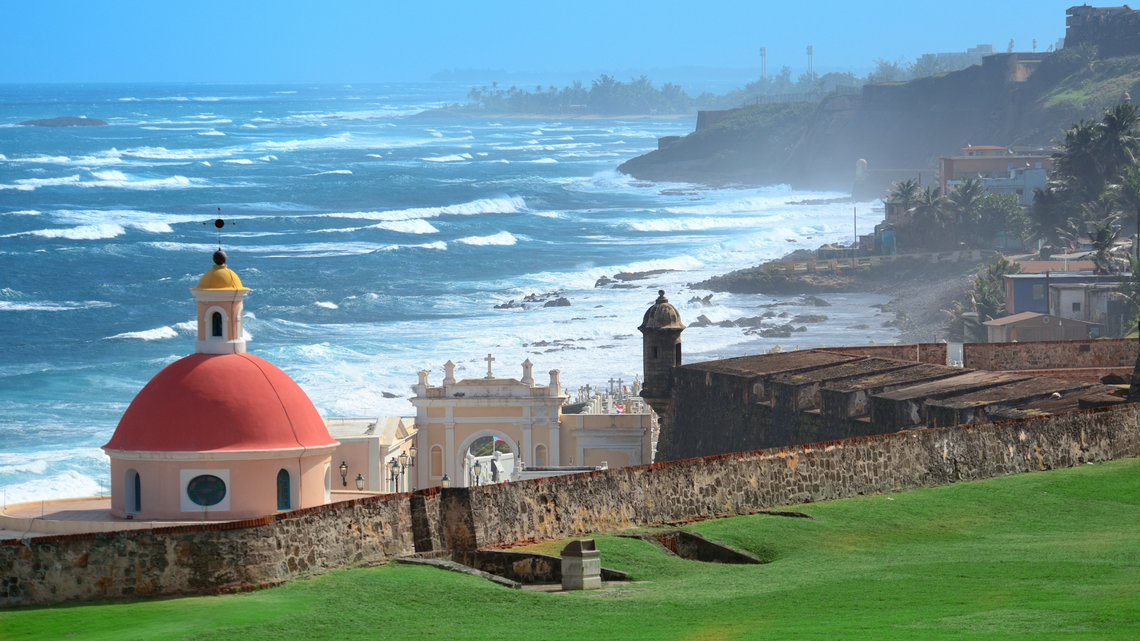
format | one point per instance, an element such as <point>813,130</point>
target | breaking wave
<point>501,238</point>
<point>148,335</point>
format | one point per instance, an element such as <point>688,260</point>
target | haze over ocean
<point>376,245</point>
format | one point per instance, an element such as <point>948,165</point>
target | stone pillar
<point>528,373</point>
<point>555,382</point>
<point>449,373</point>
<point>581,566</point>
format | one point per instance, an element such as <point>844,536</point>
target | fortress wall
<point>1114,352</point>
<point>934,353</point>
<point>1114,31</point>
<point>271,550</point>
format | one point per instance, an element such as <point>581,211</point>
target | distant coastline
<point>64,121</point>
<point>445,112</point>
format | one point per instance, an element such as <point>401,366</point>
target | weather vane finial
<point>219,256</point>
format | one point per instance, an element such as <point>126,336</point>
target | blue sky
<point>342,41</point>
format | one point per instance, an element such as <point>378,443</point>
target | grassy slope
<point>1053,555</point>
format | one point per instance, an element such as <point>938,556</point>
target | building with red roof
<point>220,434</point>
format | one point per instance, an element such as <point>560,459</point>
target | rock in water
<point>558,302</point>
<point>815,300</point>
<point>65,121</point>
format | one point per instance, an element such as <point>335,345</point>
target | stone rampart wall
<point>1114,352</point>
<point>933,353</point>
<point>1114,33</point>
<point>268,551</point>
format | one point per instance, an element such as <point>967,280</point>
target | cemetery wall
<point>262,552</point>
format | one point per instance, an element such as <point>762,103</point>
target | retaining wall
<point>270,550</point>
<point>1113,352</point>
<point>933,353</point>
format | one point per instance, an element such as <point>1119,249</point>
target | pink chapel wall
<point>252,486</point>
<point>272,549</point>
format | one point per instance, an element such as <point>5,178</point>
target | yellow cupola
<point>220,295</point>
<point>219,277</point>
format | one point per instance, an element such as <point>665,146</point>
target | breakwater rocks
<point>214,557</point>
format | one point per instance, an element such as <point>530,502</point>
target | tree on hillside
<point>1104,234</point>
<point>886,71</point>
<point>906,192</point>
<point>1001,213</point>
<point>1116,145</point>
<point>966,203</point>
<point>927,64</point>
<point>929,215</point>
<point>1078,165</point>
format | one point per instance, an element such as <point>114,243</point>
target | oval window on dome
<point>206,490</point>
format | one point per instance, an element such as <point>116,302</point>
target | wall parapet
<point>1105,352</point>
<point>212,557</point>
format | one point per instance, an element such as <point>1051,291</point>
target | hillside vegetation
<point>1033,556</point>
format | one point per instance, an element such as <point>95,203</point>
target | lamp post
<point>477,469</point>
<point>360,482</point>
<point>394,474</point>
<point>445,482</point>
<point>344,473</point>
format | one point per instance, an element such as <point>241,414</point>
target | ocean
<point>376,244</point>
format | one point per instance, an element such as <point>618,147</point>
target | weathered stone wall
<point>1114,31</point>
<point>933,353</point>
<point>267,551</point>
<point>1115,352</point>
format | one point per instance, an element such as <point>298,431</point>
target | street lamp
<point>477,469</point>
<point>393,473</point>
<point>344,473</point>
<point>412,450</point>
<point>360,482</point>
<point>445,482</point>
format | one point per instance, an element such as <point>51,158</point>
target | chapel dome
<point>226,402</point>
<point>661,315</point>
<point>219,277</point>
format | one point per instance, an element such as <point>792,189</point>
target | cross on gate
<point>490,359</point>
<point>612,381</point>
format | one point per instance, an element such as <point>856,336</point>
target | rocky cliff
<point>900,129</point>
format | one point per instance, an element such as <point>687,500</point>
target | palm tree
<point>1103,234</point>
<point>1079,164</point>
<point>1116,143</point>
<point>905,192</point>
<point>966,202</point>
<point>929,214</point>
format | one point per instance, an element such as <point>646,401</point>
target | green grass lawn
<point>1052,555</point>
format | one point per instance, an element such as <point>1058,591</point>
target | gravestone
<point>581,566</point>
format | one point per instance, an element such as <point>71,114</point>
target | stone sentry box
<point>581,566</point>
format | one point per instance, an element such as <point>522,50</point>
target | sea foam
<point>147,335</point>
<point>501,238</point>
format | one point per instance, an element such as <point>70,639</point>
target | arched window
<point>436,462</point>
<point>216,321</point>
<point>283,490</point>
<point>328,483</point>
<point>133,492</point>
<point>540,456</point>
